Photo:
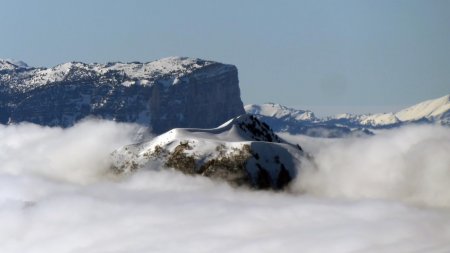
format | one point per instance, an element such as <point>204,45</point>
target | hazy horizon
<point>387,193</point>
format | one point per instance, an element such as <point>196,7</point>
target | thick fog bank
<point>77,154</point>
<point>410,164</point>
<point>57,196</point>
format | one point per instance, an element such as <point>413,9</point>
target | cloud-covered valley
<point>387,193</point>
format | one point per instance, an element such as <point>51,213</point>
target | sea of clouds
<point>386,193</point>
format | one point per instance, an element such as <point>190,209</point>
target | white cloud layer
<point>55,197</point>
<point>410,164</point>
<point>77,154</point>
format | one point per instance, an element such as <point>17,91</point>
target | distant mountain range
<point>284,119</point>
<point>169,93</point>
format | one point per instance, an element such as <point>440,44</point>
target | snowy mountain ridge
<point>433,109</point>
<point>171,69</point>
<point>284,119</point>
<point>280,111</point>
<point>8,64</point>
<point>163,94</point>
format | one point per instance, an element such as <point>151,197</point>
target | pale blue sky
<point>326,55</point>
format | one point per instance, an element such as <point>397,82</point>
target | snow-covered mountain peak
<point>279,111</point>
<point>249,127</point>
<point>242,151</point>
<point>430,109</point>
<point>169,71</point>
<point>176,63</point>
<point>57,73</point>
<point>379,119</point>
<point>6,65</point>
<point>283,119</point>
<point>176,66</point>
<point>242,128</point>
<point>9,64</point>
<point>344,116</point>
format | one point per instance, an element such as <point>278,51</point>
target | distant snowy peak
<point>295,121</point>
<point>284,119</point>
<point>8,64</point>
<point>279,111</point>
<point>433,109</point>
<point>379,119</point>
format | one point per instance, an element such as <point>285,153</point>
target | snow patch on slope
<point>164,66</point>
<point>170,69</point>
<point>299,121</point>
<point>9,64</point>
<point>379,119</point>
<point>279,111</point>
<point>431,109</point>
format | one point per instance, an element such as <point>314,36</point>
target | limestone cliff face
<point>164,94</point>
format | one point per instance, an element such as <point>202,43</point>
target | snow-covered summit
<point>433,109</point>
<point>279,111</point>
<point>242,151</point>
<point>344,116</point>
<point>379,119</point>
<point>165,66</point>
<point>172,69</point>
<point>9,64</point>
<point>284,119</point>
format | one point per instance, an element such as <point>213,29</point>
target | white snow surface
<point>379,119</point>
<point>164,66</point>
<point>279,111</point>
<point>171,68</point>
<point>8,64</point>
<point>345,116</point>
<point>433,108</point>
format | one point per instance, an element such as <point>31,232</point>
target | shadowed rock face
<point>172,92</point>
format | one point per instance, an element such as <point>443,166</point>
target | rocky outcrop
<point>164,94</point>
<point>243,152</point>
